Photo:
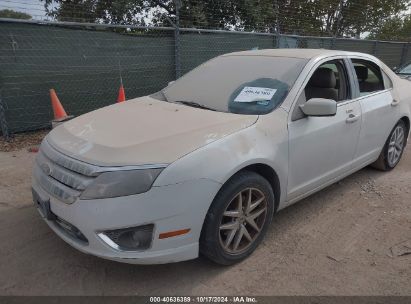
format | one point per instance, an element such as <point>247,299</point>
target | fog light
<point>129,239</point>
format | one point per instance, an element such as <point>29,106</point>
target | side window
<point>369,76</point>
<point>329,81</point>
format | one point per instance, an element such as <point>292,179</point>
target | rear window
<point>238,84</point>
<point>369,76</point>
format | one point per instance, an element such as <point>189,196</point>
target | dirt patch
<point>22,141</point>
<point>352,238</point>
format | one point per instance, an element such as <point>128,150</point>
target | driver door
<point>321,149</point>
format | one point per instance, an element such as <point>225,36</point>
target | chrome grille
<point>69,178</point>
<point>63,177</point>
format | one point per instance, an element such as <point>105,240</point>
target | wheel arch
<point>265,171</point>
<point>270,175</point>
<point>406,120</point>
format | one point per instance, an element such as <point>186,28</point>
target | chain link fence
<point>84,62</point>
<point>83,65</point>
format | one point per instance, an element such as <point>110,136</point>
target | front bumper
<point>169,208</point>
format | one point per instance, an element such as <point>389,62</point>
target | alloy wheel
<point>396,145</point>
<point>243,220</point>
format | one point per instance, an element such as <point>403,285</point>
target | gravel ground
<point>24,140</point>
<point>352,238</point>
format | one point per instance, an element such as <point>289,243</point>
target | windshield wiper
<point>195,105</point>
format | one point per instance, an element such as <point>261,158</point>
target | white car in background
<point>202,166</point>
<point>404,71</point>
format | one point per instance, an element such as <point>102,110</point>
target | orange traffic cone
<point>121,94</point>
<point>60,114</point>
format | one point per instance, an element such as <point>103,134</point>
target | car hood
<point>407,77</point>
<point>143,131</point>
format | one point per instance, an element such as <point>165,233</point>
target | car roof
<point>294,53</point>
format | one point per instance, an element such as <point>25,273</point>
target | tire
<point>218,237</point>
<point>385,161</point>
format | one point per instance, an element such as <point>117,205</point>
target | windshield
<point>237,84</point>
<point>405,70</point>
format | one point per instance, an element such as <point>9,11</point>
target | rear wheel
<point>394,147</point>
<point>238,219</point>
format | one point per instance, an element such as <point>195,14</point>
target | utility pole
<point>177,60</point>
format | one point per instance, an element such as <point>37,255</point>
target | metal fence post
<point>277,40</point>
<point>332,46</point>
<point>177,54</point>
<point>3,121</point>
<point>404,53</point>
<point>277,26</point>
<point>375,48</point>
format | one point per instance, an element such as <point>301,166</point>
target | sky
<point>35,8</point>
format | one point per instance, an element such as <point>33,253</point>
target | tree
<point>6,13</point>
<point>305,17</point>
<point>100,11</point>
<point>340,18</point>
<point>364,16</point>
<point>396,28</point>
<point>211,13</point>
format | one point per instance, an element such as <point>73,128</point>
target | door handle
<point>352,118</point>
<point>395,103</point>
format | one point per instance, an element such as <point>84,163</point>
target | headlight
<point>121,183</point>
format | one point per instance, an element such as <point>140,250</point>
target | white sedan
<point>202,166</point>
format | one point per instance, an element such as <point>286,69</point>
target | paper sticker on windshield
<point>255,94</point>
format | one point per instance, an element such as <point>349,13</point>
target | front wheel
<point>237,219</point>
<point>394,147</point>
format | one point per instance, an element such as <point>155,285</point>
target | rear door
<point>378,106</point>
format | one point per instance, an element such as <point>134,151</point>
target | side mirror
<point>319,107</point>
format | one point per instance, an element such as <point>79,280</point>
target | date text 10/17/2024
<point>204,299</point>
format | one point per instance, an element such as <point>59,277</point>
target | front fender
<point>265,142</point>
